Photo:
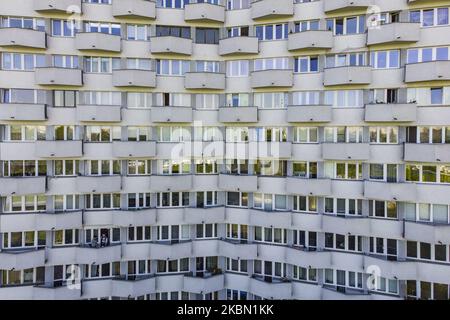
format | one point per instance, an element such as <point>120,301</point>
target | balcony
<point>388,191</point>
<point>204,80</point>
<point>345,5</point>
<point>427,71</point>
<point>22,259</point>
<point>40,221</point>
<point>345,151</point>
<point>204,284</point>
<point>134,78</point>
<point>58,149</point>
<point>312,39</point>
<point>98,113</point>
<point>270,9</point>
<point>176,182</point>
<point>134,149</point>
<point>18,37</point>
<point>58,76</point>
<point>237,250</point>
<point>57,6</point>
<point>99,184</point>
<point>231,182</point>
<point>139,9</point>
<point>309,113</point>
<point>204,12</point>
<point>271,290</point>
<point>83,255</point>
<point>399,32</point>
<point>171,114</point>
<point>263,149</point>
<point>313,187</point>
<point>427,232</point>
<point>170,44</point>
<point>347,75</point>
<point>345,225</point>
<point>22,185</point>
<point>425,152</point>
<point>238,45</point>
<point>267,218</point>
<point>272,78</point>
<point>391,112</point>
<point>238,114</point>
<point>96,41</point>
<point>23,112</point>
<point>205,215</point>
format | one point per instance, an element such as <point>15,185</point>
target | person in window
<point>104,240</point>
<point>94,242</point>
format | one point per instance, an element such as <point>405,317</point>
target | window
<point>138,134</point>
<point>429,96</point>
<point>269,202</point>
<point>173,99</point>
<point>340,206</point>
<point>344,170</point>
<point>28,203</point>
<point>305,239</point>
<point>24,168</point>
<point>271,235</point>
<point>65,237</point>
<point>207,101</point>
<point>236,166</point>
<point>385,59</point>
<point>139,200</point>
<point>108,98</point>
<point>25,133</point>
<point>237,265</point>
<point>344,98</point>
<point>305,134</point>
<point>389,286</point>
<point>66,202</point>
<point>237,231</point>
<point>24,239</point>
<point>207,134</point>
<point>382,246</point>
<point>237,199</point>
<point>383,134</point>
<point>22,277</point>
<point>206,230</point>
<point>94,235</point>
<point>205,166</point>
<point>427,173</point>
<point>103,201</point>
<point>23,96</point>
<point>304,169</point>
<point>383,96</point>
<point>171,266</point>
<point>173,232</point>
<point>305,98</point>
<point>238,4</point>
<point>172,67</point>
<point>22,61</point>
<point>271,64</point>
<point>66,167</point>
<point>206,199</point>
<point>236,134</point>
<point>102,27</point>
<point>64,132</point>
<point>305,204</point>
<point>306,64</point>
<point>172,199</point>
<point>383,209</point>
<point>306,25</point>
<point>430,17</point>
<point>171,4</point>
<point>343,134</point>
<point>173,134</point>
<point>169,167</point>
<point>269,269</point>
<point>173,31</point>
<point>348,25</point>
<point>270,134</point>
<point>103,134</point>
<point>139,100</point>
<point>138,32</point>
<point>270,100</point>
<point>272,31</point>
<point>101,64</point>
<point>425,212</point>
<point>139,233</point>
<point>237,68</point>
<point>139,167</point>
<point>64,98</point>
<point>207,66</point>
<point>139,267</point>
<point>64,28</point>
<point>342,278</point>
<point>139,64</point>
<point>383,172</point>
<point>276,168</point>
<point>206,35</point>
<point>346,59</point>
<point>23,23</point>
<point>105,270</point>
<point>242,31</point>
<point>418,55</point>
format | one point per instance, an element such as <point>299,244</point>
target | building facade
<point>224,149</point>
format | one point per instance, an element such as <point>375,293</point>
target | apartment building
<point>224,149</point>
